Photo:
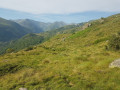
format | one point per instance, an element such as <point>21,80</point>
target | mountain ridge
<point>38,26</point>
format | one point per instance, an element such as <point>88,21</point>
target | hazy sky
<point>61,6</point>
<point>70,11</point>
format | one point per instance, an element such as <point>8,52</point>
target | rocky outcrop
<point>86,26</point>
<point>22,88</point>
<point>115,63</point>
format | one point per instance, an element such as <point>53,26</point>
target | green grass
<point>79,62</point>
<point>81,33</point>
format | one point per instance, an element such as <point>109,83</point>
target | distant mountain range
<point>33,33</point>
<point>14,29</point>
<point>37,27</point>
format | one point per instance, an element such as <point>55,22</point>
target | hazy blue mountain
<point>37,27</point>
<point>30,24</point>
<point>10,30</point>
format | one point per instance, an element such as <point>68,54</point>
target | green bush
<point>114,42</point>
<point>9,50</point>
<point>100,40</point>
<point>29,48</point>
<point>9,68</point>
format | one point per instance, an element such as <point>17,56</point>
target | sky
<point>71,11</point>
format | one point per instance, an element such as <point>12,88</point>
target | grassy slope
<point>67,61</point>
<point>34,39</point>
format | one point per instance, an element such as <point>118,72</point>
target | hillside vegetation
<point>73,60</point>
<point>13,34</point>
<point>34,39</point>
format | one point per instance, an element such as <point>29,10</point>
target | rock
<point>86,26</point>
<point>115,63</point>
<point>22,88</point>
<point>101,20</point>
<point>71,84</point>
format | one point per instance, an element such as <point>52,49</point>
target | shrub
<point>29,48</point>
<point>9,50</point>
<point>9,68</point>
<point>100,40</point>
<point>46,61</point>
<point>114,42</point>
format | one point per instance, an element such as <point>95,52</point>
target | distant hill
<point>37,27</point>
<point>10,30</point>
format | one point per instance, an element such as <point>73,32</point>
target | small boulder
<point>115,63</point>
<point>22,88</point>
<point>86,26</point>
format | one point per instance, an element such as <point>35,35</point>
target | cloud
<point>61,6</point>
